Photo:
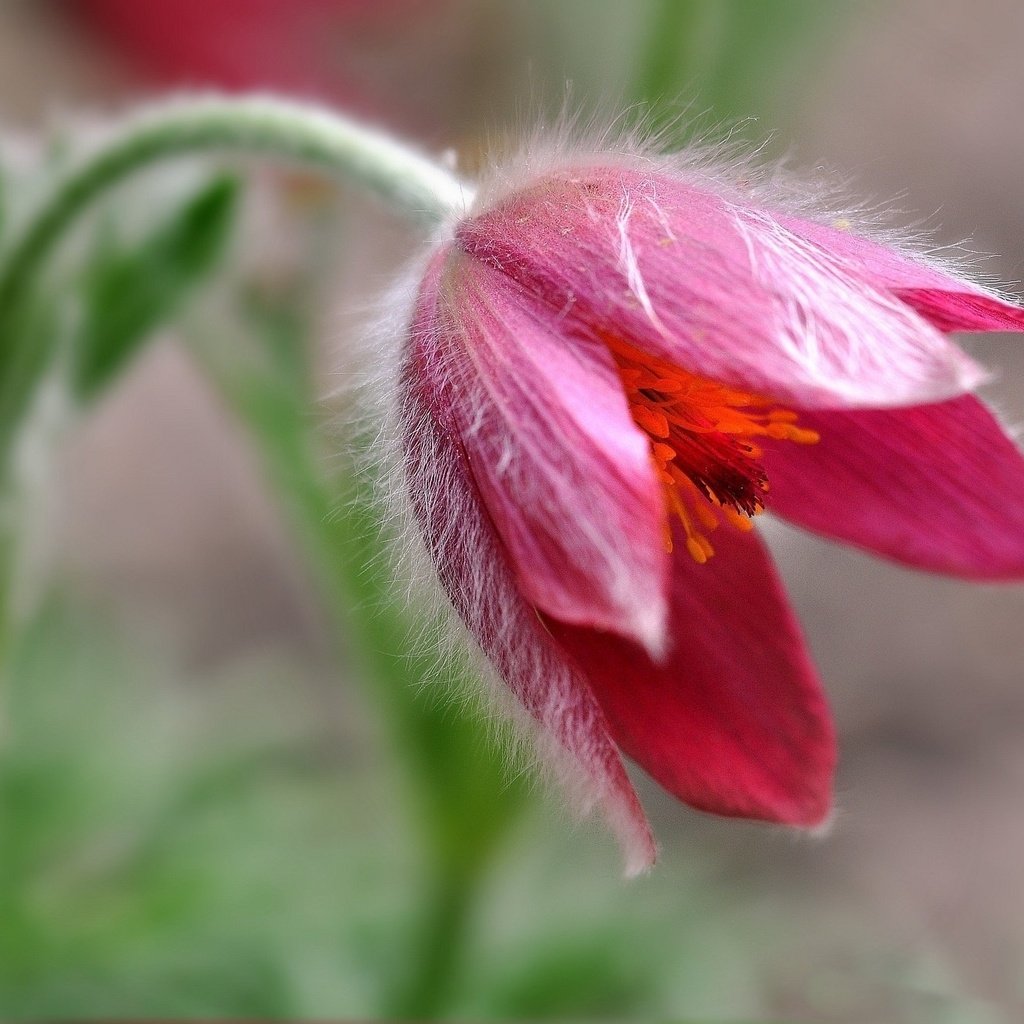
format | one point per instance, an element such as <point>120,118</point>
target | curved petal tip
<point>647,624</point>
<point>629,824</point>
<point>734,721</point>
<point>823,829</point>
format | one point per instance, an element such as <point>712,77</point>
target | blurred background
<point>206,810</point>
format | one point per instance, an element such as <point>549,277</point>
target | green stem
<point>297,132</point>
<point>463,815</point>
<point>438,947</point>
<point>265,126</point>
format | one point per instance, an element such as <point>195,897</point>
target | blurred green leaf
<point>596,975</point>
<point>130,291</point>
<point>177,850</point>
<point>733,59</point>
<point>680,48</point>
<point>37,318</point>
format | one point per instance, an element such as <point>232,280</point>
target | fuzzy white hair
<point>722,159</point>
<point>711,161</point>
<point>385,418</point>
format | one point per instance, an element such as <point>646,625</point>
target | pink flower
<point>321,48</point>
<point>611,371</point>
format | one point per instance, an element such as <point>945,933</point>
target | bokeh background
<point>206,812</point>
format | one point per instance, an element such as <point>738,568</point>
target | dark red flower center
<point>706,443</point>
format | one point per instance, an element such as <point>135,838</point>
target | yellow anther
<point>707,517</point>
<point>738,520</point>
<point>697,552</point>
<point>805,436</point>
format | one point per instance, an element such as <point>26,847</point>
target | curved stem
<point>321,139</point>
<point>259,125</point>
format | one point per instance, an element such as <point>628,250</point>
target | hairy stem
<point>266,126</point>
<point>456,817</point>
<point>263,126</point>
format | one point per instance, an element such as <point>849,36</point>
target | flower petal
<point>564,472</point>
<point>720,289</point>
<point>944,300</point>
<point>473,567</point>
<point>734,721</point>
<point>939,487</point>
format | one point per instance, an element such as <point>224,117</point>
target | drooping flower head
<point>615,365</point>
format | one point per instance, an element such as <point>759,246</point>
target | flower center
<point>705,442</point>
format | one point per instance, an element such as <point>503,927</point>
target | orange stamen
<point>703,443</point>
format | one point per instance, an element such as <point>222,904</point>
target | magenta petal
<point>944,300</point>
<point>734,721</point>
<point>951,310</point>
<point>474,570</point>
<point>564,472</point>
<point>721,289</point>
<point>939,487</point>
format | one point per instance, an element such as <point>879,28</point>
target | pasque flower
<point>613,368</point>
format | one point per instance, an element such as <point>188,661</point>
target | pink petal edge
<point>563,470</point>
<point>473,568</point>
<point>734,721</point>
<point>938,487</point>
<point>946,301</point>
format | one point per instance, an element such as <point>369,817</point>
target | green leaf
<point>734,58</point>
<point>37,321</point>
<point>680,49</point>
<point>129,292</point>
<point>4,201</point>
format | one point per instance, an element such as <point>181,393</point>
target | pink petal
<point>565,474</point>
<point>940,487</point>
<point>963,311</point>
<point>946,301</point>
<point>734,721</point>
<point>720,289</point>
<point>473,568</point>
